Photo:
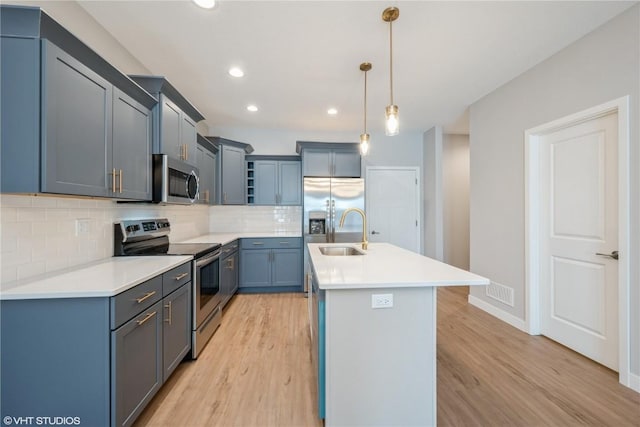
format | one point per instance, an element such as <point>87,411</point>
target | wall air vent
<point>501,293</point>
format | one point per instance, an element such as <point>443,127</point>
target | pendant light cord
<point>391,59</point>
<point>365,102</point>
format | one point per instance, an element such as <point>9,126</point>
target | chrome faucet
<point>365,243</point>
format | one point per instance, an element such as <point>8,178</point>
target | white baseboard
<point>634,382</point>
<point>500,314</point>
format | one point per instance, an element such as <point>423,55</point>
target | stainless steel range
<point>151,237</point>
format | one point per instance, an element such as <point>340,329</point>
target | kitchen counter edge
<point>385,266</point>
<point>104,278</point>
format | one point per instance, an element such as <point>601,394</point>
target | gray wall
<point>602,66</point>
<point>455,200</point>
<point>432,190</point>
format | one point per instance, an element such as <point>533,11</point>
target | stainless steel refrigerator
<point>325,200</point>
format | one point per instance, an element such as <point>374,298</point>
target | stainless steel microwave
<point>174,181</point>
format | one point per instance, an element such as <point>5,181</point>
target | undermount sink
<point>339,251</point>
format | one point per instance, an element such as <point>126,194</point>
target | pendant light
<point>389,15</point>
<point>364,137</point>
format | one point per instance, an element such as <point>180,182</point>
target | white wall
<point>432,178</point>
<point>602,66</point>
<point>455,200</point>
<point>404,149</point>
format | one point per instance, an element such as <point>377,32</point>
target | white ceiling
<point>302,57</point>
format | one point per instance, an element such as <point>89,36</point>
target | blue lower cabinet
<point>95,361</point>
<point>255,268</point>
<point>228,271</point>
<point>136,364</point>
<point>271,265</point>
<point>55,359</point>
<point>176,329</point>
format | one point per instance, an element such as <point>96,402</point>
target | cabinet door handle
<point>284,243</point>
<point>147,317</point>
<point>113,180</point>
<point>181,276</point>
<point>147,295</point>
<point>258,243</point>
<point>169,307</point>
<point>120,181</point>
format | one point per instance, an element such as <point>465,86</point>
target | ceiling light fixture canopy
<point>364,137</point>
<point>252,108</point>
<point>205,4</point>
<point>392,125</point>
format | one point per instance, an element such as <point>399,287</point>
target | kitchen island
<point>373,326</point>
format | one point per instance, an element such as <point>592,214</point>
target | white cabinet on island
<point>373,325</point>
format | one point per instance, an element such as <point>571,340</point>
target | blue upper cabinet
<point>274,180</point>
<point>321,159</point>
<point>175,120</point>
<point>131,147</point>
<point>206,158</point>
<point>76,139</point>
<point>71,123</point>
<point>230,182</point>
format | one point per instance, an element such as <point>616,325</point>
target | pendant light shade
<point>392,124</point>
<point>364,136</point>
<point>364,144</point>
<point>391,120</point>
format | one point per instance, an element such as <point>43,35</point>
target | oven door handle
<point>202,262</point>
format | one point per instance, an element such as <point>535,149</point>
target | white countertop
<point>385,266</point>
<point>224,238</point>
<point>104,278</point>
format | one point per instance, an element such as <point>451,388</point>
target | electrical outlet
<point>381,300</point>
<point>82,226</point>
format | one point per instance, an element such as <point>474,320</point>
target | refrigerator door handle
<point>328,224</point>
<point>333,221</point>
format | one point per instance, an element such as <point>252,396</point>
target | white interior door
<point>393,209</point>
<point>579,219</point>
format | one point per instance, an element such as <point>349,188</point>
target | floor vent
<point>501,293</point>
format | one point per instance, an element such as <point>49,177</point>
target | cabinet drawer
<point>173,279</point>
<point>271,243</point>
<point>128,304</point>
<point>228,249</point>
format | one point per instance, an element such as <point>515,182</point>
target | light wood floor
<point>256,371</point>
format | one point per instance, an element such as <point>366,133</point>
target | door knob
<point>375,232</point>
<point>613,254</point>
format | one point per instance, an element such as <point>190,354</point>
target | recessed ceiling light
<point>236,72</point>
<point>332,111</point>
<point>205,4</point>
<point>252,108</point>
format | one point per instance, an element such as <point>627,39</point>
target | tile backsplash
<point>41,234</point>
<point>256,219</point>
